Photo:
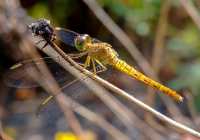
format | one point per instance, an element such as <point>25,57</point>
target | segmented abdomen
<point>127,69</point>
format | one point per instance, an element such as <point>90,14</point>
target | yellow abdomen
<point>127,69</point>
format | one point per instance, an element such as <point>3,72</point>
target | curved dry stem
<point>190,104</point>
<point>126,116</point>
<point>67,104</point>
<point>159,45</point>
<point>50,84</point>
<point>93,117</point>
<point>44,77</point>
<point>192,11</point>
<point>15,24</point>
<point>156,61</point>
<point>66,62</point>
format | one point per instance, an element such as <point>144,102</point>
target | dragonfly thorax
<point>42,28</point>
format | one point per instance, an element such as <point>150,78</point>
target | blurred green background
<point>180,59</point>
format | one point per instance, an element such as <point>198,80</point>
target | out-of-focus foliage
<point>185,48</point>
<point>52,12</point>
<point>138,14</point>
<point>180,62</point>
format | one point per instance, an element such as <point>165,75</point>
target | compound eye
<point>82,39</point>
<point>86,37</point>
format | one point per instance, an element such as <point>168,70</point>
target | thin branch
<point>160,36</point>
<point>116,134</point>
<point>52,88</point>
<point>156,61</point>
<point>93,117</point>
<point>66,103</point>
<point>192,11</point>
<point>132,120</point>
<point>116,107</point>
<point>49,83</point>
<point>15,24</point>
<point>66,62</point>
<point>194,14</point>
<point>159,44</point>
<point>190,104</point>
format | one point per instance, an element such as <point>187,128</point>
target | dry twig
<point>156,60</point>
<point>125,114</point>
<point>66,103</point>
<point>192,11</point>
<point>67,63</point>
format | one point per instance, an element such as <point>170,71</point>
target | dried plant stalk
<point>67,63</point>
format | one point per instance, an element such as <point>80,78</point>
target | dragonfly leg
<point>102,70</point>
<point>96,71</point>
<point>87,62</point>
<point>49,98</point>
<point>39,108</point>
<point>102,66</point>
<point>76,56</point>
<point>94,67</point>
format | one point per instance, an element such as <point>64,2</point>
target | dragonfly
<point>99,55</point>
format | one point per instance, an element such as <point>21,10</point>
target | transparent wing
<point>94,40</point>
<point>19,79</point>
<point>18,75</point>
<point>68,36</point>
<point>99,69</point>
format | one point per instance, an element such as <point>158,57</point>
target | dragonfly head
<point>81,41</point>
<point>42,28</point>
